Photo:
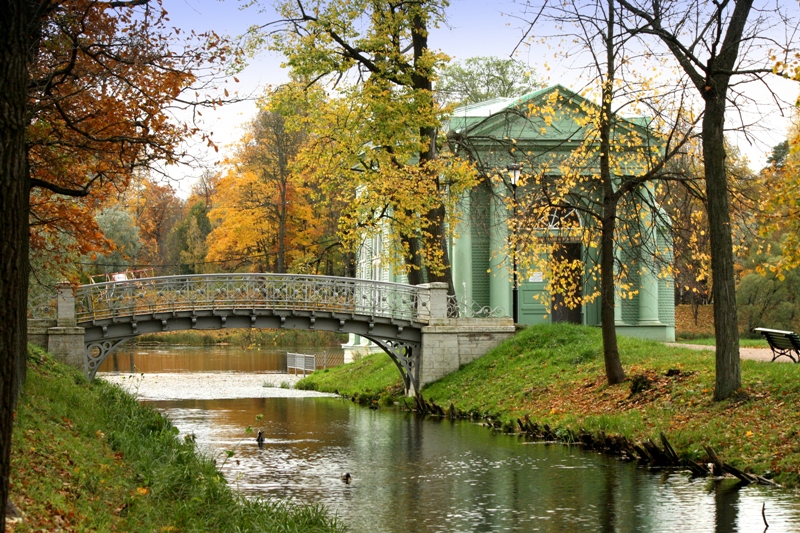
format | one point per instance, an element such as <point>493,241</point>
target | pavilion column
<point>499,271</point>
<point>462,255</point>
<point>648,280</point>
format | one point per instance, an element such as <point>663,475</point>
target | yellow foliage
<point>374,134</point>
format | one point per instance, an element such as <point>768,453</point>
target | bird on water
<point>260,438</point>
<point>346,477</point>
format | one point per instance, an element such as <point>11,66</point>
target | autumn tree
<point>103,90</point>
<point>262,215</point>
<point>685,203</point>
<point>384,121</point>
<point>85,93</point>
<point>188,244</point>
<point>477,79</point>
<point>156,210</point>
<point>204,189</point>
<point>330,191</point>
<point>608,177</point>
<point>780,202</point>
<point>715,46</point>
<point>768,293</point>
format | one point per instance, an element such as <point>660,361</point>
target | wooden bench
<point>782,343</point>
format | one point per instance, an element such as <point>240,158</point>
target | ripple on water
<point>441,477</point>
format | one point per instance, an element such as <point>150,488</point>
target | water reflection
<point>157,359</point>
<point>441,476</point>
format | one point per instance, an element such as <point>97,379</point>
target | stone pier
<point>65,340</point>
<point>449,343</point>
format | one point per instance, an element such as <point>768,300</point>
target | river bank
<point>89,457</point>
<point>553,375</point>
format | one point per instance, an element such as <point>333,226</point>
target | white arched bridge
<point>409,322</point>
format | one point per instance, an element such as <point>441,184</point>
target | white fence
<point>299,361</point>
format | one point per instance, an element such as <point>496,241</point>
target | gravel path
<point>209,385</point>
<point>757,354</point>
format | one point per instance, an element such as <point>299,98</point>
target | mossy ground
<point>555,375</point>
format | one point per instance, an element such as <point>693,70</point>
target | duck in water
<point>346,478</point>
<point>260,439</point>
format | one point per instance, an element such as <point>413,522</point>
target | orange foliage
<point>156,210</point>
<point>103,87</point>
<point>263,215</point>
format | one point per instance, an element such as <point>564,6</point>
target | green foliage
<point>765,300</point>
<point>478,79</point>
<point>118,227</point>
<point>121,467</point>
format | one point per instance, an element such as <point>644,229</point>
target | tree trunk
<point>614,372</point>
<point>15,46</point>
<point>422,81</point>
<point>414,261</point>
<point>711,82</point>
<point>723,291</point>
<point>439,236</point>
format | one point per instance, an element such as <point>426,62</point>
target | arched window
<point>559,224</point>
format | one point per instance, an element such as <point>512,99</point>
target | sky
<point>474,28</point>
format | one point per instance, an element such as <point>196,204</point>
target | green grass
<point>554,374</point>
<point>372,379</point>
<point>89,457</point>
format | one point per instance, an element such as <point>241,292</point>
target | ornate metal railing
<point>43,306</point>
<point>247,291</point>
<point>463,308</point>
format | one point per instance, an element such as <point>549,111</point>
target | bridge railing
<point>167,294</point>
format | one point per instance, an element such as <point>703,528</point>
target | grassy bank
<point>554,374</point>
<point>89,457</point>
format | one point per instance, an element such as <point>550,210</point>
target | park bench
<point>782,343</point>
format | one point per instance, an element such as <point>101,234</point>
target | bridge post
<point>432,301</point>
<point>65,340</point>
<point>448,343</point>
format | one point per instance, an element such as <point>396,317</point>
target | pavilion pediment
<point>554,116</point>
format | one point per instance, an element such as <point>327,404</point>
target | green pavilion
<point>531,223</point>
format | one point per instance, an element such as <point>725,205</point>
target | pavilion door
<point>559,311</point>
